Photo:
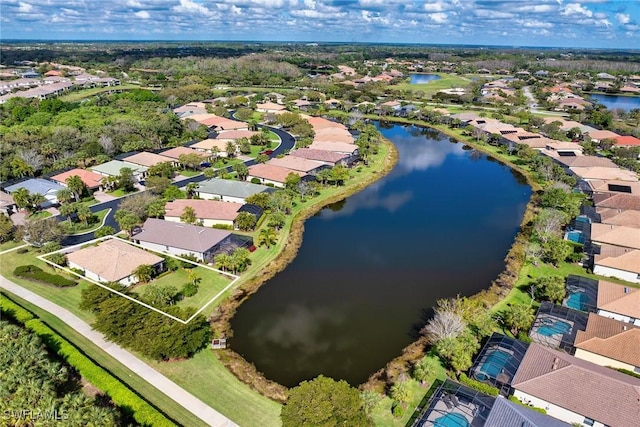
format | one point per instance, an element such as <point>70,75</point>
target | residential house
<point>146,159</point>
<point>625,237</point>
<point>41,186</point>
<point>183,239</point>
<point>234,135</point>
<point>218,123</point>
<point>327,157</point>
<point>113,260</point>
<point>211,145</point>
<point>625,218</point>
<point>207,212</point>
<point>310,167</point>
<point>603,174</point>
<point>270,107</point>
<point>618,261</point>
<point>597,135</point>
<point>337,147</point>
<point>272,174</point>
<point>575,390</point>
<point>7,204</point>
<point>227,190</point>
<point>505,413</point>
<point>191,109</point>
<point>175,153</point>
<point>92,180</point>
<point>627,141</point>
<point>609,342</point>
<point>615,186</point>
<point>617,201</point>
<point>619,302</point>
<point>113,168</point>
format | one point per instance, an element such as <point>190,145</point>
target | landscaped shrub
<point>142,412</point>
<point>477,385</point>
<point>255,180</point>
<point>189,290</point>
<point>222,226</point>
<point>50,247</point>
<point>34,273</point>
<point>22,251</point>
<point>533,408</point>
<point>397,410</point>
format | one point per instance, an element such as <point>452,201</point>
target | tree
<point>35,202</point>
<point>245,221</point>
<point>324,176</point>
<point>223,262</point>
<point>549,288</point>
<point>259,199</point>
<point>339,174</point>
<point>160,295</point>
<point>39,232</point>
<point>240,259</point>
<point>64,195</point>
<point>138,204</point>
<point>191,189</point>
<point>556,251</point>
<point>291,181</point>
<point>21,198</point>
<point>191,160</point>
<point>163,169</point>
<point>518,317</point>
<point>446,323</point>
<point>125,180</point>
<point>401,393</point>
<point>244,145</point>
<point>68,210</point>
<point>156,209</point>
<point>157,184</point>
<point>188,215</point>
<point>104,231</point>
<point>210,173</point>
<point>127,220</point>
<point>267,237</point>
<point>425,369</point>
<point>548,224</point>
<point>84,213</point>
<point>76,185</point>
<point>262,158</point>
<point>242,170</point>
<point>7,229</point>
<point>144,273</point>
<point>277,220</point>
<point>230,149</point>
<point>172,193</point>
<point>458,352</point>
<point>324,402</point>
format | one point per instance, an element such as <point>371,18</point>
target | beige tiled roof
<point>204,209</point>
<point>176,152</point>
<point>211,120</point>
<point>605,173</point>
<point>272,172</point>
<point>146,159</point>
<point>296,163</point>
<point>236,134</point>
<point>629,261</point>
<point>271,106</point>
<point>625,218</point>
<point>208,144</point>
<point>613,298</point>
<point>593,391</point>
<point>617,201</point>
<point>338,147</point>
<point>610,338</point>
<point>113,259</point>
<point>346,138</point>
<point>320,155</point>
<point>616,235</point>
<point>586,161</point>
<point>609,186</point>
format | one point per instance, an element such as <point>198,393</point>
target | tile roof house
<point>336,147</point>
<point>609,342</point>
<point>7,204</point>
<point>599,135</point>
<point>146,159</point>
<point>585,161</point>
<point>272,174</point>
<point>182,239</point>
<point>228,190</point>
<point>575,390</point>
<point>218,123</point>
<point>505,413</point>
<point>626,218</point>
<point>113,167</point>
<point>208,145</point>
<point>603,173</point>
<point>625,237</point>
<point>300,164</point>
<point>113,260</point>
<point>615,186</point>
<point>208,212</point>
<point>327,157</point>
<point>617,201</point>
<point>619,302</point>
<point>41,186</point>
<point>270,107</point>
<point>92,180</point>
<point>627,141</point>
<point>176,152</point>
<point>233,135</point>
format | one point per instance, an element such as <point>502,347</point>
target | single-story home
<point>113,260</point>
<point>208,212</point>
<point>183,239</point>
<point>615,186</point>
<point>311,167</point>
<point>505,413</point>
<point>338,147</point>
<point>603,173</point>
<point>218,123</point>
<point>7,204</point>
<point>617,201</point>
<point>146,159</point>
<point>92,180</point>
<point>272,174</point>
<point>228,190</point>
<point>575,390</point>
<point>627,141</point>
<point>270,107</point>
<point>619,302</point>
<point>234,135</point>
<point>625,266</point>
<point>113,167</point>
<point>327,157</point>
<point>598,135</point>
<point>626,218</point>
<point>176,152</point>
<point>625,237</point>
<point>208,145</point>
<point>609,342</point>
<point>41,186</point>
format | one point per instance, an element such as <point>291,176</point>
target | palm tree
<point>144,273</point>
<point>191,189</point>
<point>64,195</point>
<point>84,214</point>
<point>76,185</point>
<point>67,209</point>
<point>268,237</point>
<point>223,262</point>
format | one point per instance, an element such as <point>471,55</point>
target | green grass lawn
<point>10,245</point>
<point>80,227</point>
<point>86,93</point>
<point>39,215</point>
<point>189,172</point>
<point>447,81</point>
<point>158,399</point>
<point>204,376</point>
<point>120,192</point>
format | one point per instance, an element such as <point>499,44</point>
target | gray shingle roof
<point>36,185</point>
<point>183,236</point>
<point>227,187</point>
<point>505,413</point>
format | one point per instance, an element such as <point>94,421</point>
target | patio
<point>556,326</point>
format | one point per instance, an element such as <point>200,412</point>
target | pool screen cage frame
<point>502,381</point>
<point>562,313</point>
<point>472,403</point>
<point>587,285</point>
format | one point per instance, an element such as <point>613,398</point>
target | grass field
<point>86,93</point>
<point>446,81</point>
<point>10,245</point>
<point>39,215</point>
<point>120,192</point>
<point>80,227</point>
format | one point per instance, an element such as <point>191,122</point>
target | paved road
<point>533,105</point>
<point>287,143</point>
<point>153,377</point>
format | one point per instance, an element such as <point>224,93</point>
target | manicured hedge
<point>142,412</point>
<point>477,385</point>
<point>533,408</point>
<point>32,272</point>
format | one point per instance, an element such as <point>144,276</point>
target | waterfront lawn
<point>205,377</point>
<point>446,81</point>
<point>148,392</point>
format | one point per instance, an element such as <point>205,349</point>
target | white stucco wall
<point>602,360</point>
<point>266,181</point>
<point>553,410</point>
<point>209,196</point>
<point>614,272</point>
<point>619,317</point>
<point>204,222</point>
<point>169,249</point>
<point>127,281</point>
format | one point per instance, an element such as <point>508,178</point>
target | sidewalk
<point>153,377</point>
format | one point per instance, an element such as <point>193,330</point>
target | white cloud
<point>143,14</point>
<point>25,7</point>
<point>191,7</point>
<point>576,9</point>
<point>434,7</point>
<point>623,18</point>
<point>439,17</point>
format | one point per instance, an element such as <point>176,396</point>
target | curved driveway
<point>146,372</point>
<point>287,142</point>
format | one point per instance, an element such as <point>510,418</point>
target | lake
<point>612,102</point>
<point>371,267</point>
<point>423,78</point>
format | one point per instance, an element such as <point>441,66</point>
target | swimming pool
<point>554,328</point>
<point>451,420</point>
<point>493,364</point>
<point>575,236</point>
<point>577,301</point>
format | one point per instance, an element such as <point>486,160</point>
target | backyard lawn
<point>446,81</point>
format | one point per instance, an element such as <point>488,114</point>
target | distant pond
<point>612,102</point>
<point>423,78</point>
<point>371,266</point>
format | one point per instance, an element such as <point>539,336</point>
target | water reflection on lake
<point>613,102</point>
<point>423,78</point>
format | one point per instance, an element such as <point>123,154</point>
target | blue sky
<point>565,23</point>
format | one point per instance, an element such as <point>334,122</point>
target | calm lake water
<point>370,268</point>
<point>423,78</point>
<point>612,102</point>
